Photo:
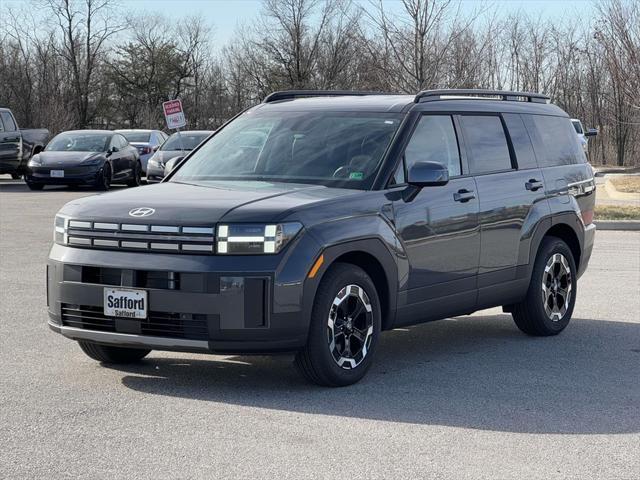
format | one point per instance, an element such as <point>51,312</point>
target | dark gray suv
<point>315,220</point>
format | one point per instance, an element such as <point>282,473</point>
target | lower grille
<point>158,324</point>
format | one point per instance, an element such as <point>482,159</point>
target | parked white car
<point>582,134</point>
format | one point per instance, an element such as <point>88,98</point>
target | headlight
<point>92,161</point>
<point>60,226</point>
<point>155,163</point>
<point>239,239</point>
<point>35,161</point>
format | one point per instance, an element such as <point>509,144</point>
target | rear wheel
<point>548,306</point>
<point>16,176</point>
<point>344,329</point>
<point>136,176</point>
<point>107,354</point>
<point>103,182</point>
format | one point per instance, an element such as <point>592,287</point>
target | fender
<point>375,237</point>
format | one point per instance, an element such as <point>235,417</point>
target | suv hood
<point>185,204</point>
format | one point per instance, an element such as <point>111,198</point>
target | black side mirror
<point>428,174</point>
<point>112,149</point>
<point>171,164</point>
<point>591,132</point>
<point>424,174</point>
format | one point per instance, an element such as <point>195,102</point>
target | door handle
<point>533,185</point>
<point>464,195</point>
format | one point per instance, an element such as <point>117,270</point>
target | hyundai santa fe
<point>314,221</point>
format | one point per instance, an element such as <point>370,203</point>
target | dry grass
<point>617,212</point>
<point>627,183</point>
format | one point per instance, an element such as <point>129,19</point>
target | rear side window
<point>9,124</point>
<point>521,141</point>
<point>556,141</point>
<point>485,137</point>
<point>434,140</point>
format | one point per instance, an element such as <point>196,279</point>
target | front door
<point>438,229</point>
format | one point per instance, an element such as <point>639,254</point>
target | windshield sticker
<point>356,175</point>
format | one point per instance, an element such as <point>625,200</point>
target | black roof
<point>458,100</point>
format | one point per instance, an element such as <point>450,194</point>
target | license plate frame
<point>128,303</point>
<point>56,173</point>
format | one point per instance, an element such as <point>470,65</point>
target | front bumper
<point>72,176</point>
<point>201,303</point>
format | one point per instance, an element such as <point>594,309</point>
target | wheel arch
<point>567,227</point>
<point>375,259</point>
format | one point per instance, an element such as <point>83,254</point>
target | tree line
<point>89,63</point>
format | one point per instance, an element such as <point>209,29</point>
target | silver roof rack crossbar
<point>290,94</point>
<point>464,93</point>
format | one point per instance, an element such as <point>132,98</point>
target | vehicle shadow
<point>471,372</point>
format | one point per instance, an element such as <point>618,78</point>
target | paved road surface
<point>469,397</point>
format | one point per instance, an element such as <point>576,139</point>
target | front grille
<point>158,324</point>
<point>140,237</point>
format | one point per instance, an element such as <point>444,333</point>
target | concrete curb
<point>618,225</point>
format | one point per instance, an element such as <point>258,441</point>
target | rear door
<point>510,190</point>
<point>438,228</point>
<point>10,144</point>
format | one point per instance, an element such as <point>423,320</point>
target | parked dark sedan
<point>85,157</point>
<point>177,145</point>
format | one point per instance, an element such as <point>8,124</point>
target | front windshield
<point>136,137</point>
<point>325,148</point>
<point>79,142</point>
<point>184,141</point>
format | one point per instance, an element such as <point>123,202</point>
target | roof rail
<point>289,94</point>
<point>432,95</point>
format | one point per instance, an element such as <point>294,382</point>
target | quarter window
<point>485,137</point>
<point>9,124</point>
<point>434,140</point>
<point>557,142</point>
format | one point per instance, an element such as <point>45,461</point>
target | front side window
<point>434,140</point>
<point>338,149</point>
<point>484,136</point>
<point>79,142</point>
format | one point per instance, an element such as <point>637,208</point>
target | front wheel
<point>344,328</point>
<point>548,306</point>
<point>103,181</point>
<point>136,178</point>
<point>106,354</point>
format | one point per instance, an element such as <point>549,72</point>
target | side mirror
<point>112,149</point>
<point>591,132</point>
<point>171,164</point>
<point>155,148</point>
<point>428,174</point>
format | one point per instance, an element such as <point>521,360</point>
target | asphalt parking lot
<point>469,397</point>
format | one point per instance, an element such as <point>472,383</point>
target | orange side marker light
<point>316,266</point>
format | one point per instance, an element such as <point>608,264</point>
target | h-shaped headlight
<point>251,238</point>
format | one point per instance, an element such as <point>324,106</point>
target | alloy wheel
<point>557,285</point>
<point>350,326</point>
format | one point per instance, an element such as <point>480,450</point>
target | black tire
<point>316,361</point>
<point>136,180</point>
<point>530,315</point>
<point>103,182</point>
<point>106,354</point>
<point>16,176</point>
<point>35,186</point>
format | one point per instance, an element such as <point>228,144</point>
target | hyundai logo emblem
<point>142,212</point>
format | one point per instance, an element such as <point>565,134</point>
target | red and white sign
<point>173,114</point>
